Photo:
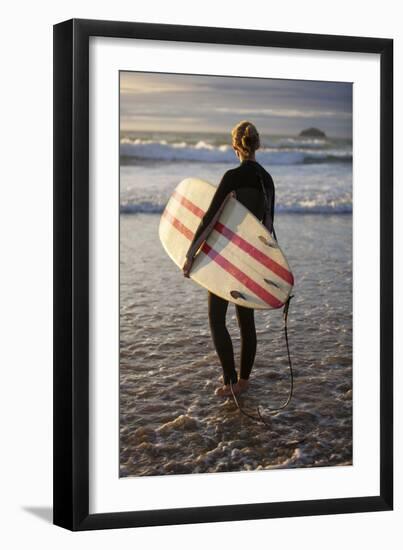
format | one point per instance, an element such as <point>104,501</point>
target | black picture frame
<point>71,273</point>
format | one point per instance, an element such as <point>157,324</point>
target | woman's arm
<point>196,244</point>
<point>208,221</point>
<point>222,191</point>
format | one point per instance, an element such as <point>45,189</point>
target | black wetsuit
<point>247,185</point>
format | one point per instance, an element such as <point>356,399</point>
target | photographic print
<point>235,196</point>
<point>203,270</point>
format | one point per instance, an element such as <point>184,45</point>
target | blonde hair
<point>245,138</point>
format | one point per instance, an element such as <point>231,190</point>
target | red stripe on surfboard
<point>188,204</point>
<point>242,277</point>
<point>178,225</point>
<point>244,245</point>
<point>225,264</point>
<point>255,253</point>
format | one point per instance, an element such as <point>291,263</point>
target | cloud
<point>133,83</point>
<point>283,113</point>
<point>141,88</point>
<point>216,102</point>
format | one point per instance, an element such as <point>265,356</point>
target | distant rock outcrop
<point>312,132</point>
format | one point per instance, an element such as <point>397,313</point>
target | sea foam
<point>291,152</point>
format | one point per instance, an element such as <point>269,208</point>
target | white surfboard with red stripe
<point>240,261</point>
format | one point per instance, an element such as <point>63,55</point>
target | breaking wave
<point>286,152</point>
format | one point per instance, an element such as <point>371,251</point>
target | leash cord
<point>260,418</point>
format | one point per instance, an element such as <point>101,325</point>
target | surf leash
<point>259,417</point>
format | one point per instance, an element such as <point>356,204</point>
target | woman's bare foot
<point>223,391</point>
<point>241,386</point>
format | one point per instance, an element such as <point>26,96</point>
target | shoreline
<point>170,420</point>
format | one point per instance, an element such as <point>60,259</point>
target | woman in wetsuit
<point>245,182</point>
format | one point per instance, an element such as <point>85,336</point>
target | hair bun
<point>245,138</point>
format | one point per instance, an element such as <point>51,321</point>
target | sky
<point>192,103</point>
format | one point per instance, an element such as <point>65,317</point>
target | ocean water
<point>311,175</point>
<point>170,420</point>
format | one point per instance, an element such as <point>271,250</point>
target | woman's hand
<point>187,266</point>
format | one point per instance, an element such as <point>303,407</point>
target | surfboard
<point>240,261</point>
